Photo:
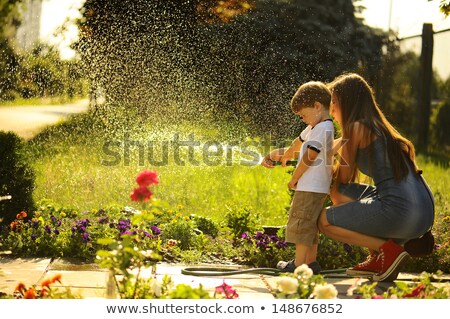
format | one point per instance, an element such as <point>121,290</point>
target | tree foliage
<point>169,58</point>
<point>445,7</point>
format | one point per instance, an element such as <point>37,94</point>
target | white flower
<point>156,287</point>
<point>327,291</point>
<point>287,285</point>
<point>304,271</point>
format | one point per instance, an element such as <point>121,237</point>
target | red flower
<point>46,283</point>
<point>416,291</point>
<point>22,215</point>
<point>147,178</point>
<point>141,194</point>
<point>56,278</point>
<point>20,287</point>
<point>30,294</point>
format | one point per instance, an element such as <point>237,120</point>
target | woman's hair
<point>357,104</point>
<point>311,92</point>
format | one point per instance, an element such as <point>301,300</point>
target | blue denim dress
<point>387,209</point>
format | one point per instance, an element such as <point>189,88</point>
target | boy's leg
<point>311,255</point>
<point>301,253</point>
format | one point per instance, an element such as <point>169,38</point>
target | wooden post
<point>426,78</point>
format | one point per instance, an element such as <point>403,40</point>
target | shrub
<point>440,132</point>
<point>240,221</point>
<point>181,230</point>
<point>17,179</point>
<point>262,250</point>
<point>206,225</point>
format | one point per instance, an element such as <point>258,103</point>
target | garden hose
<point>216,271</point>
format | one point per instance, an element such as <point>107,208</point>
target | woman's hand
<point>270,159</point>
<point>268,162</point>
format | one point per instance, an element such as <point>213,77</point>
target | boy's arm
<point>283,154</point>
<point>305,162</point>
<point>292,152</point>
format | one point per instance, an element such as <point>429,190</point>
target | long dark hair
<point>357,104</point>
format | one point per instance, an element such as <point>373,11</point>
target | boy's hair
<point>311,92</point>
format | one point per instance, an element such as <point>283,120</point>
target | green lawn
<point>70,172</point>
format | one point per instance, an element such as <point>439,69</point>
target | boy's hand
<point>293,183</point>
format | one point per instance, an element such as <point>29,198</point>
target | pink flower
<point>226,290</point>
<point>147,178</point>
<point>141,194</point>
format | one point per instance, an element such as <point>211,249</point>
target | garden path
<point>89,280</point>
<point>27,121</point>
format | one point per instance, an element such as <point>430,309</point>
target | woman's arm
<point>348,150</point>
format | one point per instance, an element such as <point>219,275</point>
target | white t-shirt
<point>317,178</point>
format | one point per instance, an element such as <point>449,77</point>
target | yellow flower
<point>179,215</point>
<point>288,285</point>
<point>62,215</point>
<point>327,291</point>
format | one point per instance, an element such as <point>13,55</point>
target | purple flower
<point>281,244</point>
<point>103,220</point>
<point>34,223</point>
<point>86,238</point>
<point>33,237</point>
<point>259,235</point>
<point>53,218</point>
<point>56,232</point>
<point>123,225</point>
<point>48,229</point>
<point>347,248</point>
<point>146,234</point>
<point>155,230</point>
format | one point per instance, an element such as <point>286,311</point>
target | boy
<point>311,178</point>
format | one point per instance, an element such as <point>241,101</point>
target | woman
<point>398,207</point>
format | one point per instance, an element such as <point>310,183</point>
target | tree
<point>8,58</point>
<point>166,59</point>
<point>445,7</point>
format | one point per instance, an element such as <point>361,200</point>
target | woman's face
<point>335,109</point>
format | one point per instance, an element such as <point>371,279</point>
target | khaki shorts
<point>303,215</point>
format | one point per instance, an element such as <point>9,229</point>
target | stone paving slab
<point>248,286</point>
<point>89,281</point>
<point>28,271</point>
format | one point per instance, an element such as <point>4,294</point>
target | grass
<point>69,163</point>
<point>70,171</point>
